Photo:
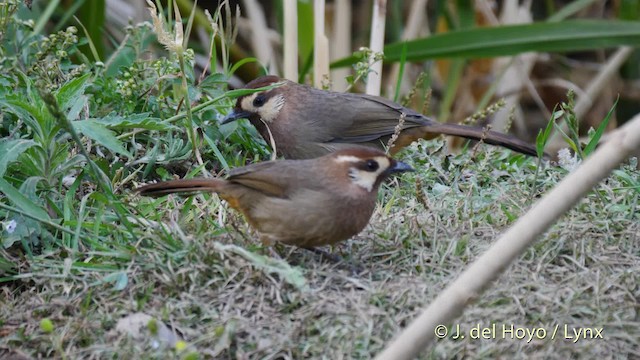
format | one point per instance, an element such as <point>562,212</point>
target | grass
<point>583,273</point>
<point>81,251</point>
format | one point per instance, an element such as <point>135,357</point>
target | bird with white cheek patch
<point>305,122</point>
<point>305,203</point>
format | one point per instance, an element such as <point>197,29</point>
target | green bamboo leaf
<point>570,35</point>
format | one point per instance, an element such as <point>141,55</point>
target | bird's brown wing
<point>368,118</point>
<point>273,178</point>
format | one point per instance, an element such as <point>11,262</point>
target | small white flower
<point>68,180</point>
<point>11,226</point>
<point>567,160</point>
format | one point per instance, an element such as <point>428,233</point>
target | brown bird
<point>305,203</point>
<point>306,122</point>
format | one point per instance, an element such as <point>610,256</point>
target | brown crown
<point>262,82</point>
<point>362,152</point>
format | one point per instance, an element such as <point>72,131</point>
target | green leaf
<point>290,274</point>
<point>11,149</point>
<point>22,202</point>
<point>543,136</point>
<point>403,60</point>
<point>45,16</point>
<point>134,121</point>
<point>216,151</point>
<point>570,35</point>
<point>630,181</point>
<point>122,281</point>
<point>237,65</point>
<point>572,144</point>
<point>598,133</point>
<point>92,19</point>
<point>629,10</point>
<point>100,134</point>
<point>69,93</point>
<point>305,29</point>
<point>570,9</point>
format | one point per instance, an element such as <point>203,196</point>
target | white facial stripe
<point>365,179</point>
<point>267,112</point>
<point>348,158</point>
<point>247,102</point>
<point>384,162</point>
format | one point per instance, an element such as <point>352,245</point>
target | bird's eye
<point>372,165</point>
<point>259,100</point>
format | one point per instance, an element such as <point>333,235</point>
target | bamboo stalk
<point>290,46</point>
<point>320,45</point>
<point>341,42</point>
<point>471,283</point>
<point>376,44</point>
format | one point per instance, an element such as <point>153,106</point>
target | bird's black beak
<point>235,115</point>
<point>399,166</point>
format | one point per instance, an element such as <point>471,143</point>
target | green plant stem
<point>102,181</point>
<point>44,221</point>
<point>228,95</point>
<point>187,105</point>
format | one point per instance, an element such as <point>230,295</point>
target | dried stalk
<point>341,42</point>
<point>471,283</point>
<point>320,45</point>
<point>376,45</point>
<point>290,46</point>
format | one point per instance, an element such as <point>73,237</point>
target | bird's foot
<point>354,268</point>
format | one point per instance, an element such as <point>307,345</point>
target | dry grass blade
<point>470,284</point>
<point>272,142</point>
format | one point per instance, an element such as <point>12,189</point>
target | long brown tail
<point>481,134</point>
<point>181,186</point>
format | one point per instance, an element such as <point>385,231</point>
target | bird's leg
<point>331,257</point>
<point>337,259</point>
